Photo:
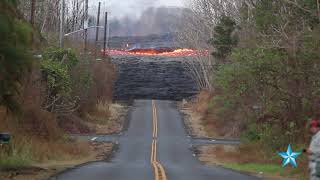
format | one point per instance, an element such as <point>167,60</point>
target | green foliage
<point>249,74</point>
<point>251,134</point>
<point>57,77</point>
<point>273,81</point>
<point>85,80</point>
<point>56,66</point>
<point>223,39</point>
<point>63,56</point>
<point>15,59</point>
<point>269,14</point>
<point>309,12</point>
<point>248,69</point>
<point>82,80</point>
<point>265,14</point>
<point>263,77</point>
<point>12,2</point>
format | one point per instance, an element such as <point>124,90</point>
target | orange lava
<point>182,52</point>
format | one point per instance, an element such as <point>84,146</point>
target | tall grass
<point>100,113</point>
<point>17,154</point>
<point>25,151</point>
<point>33,143</point>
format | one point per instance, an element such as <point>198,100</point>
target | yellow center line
<point>162,171</point>
<point>155,151</point>
<point>154,120</point>
<point>156,172</point>
<point>152,152</point>
<point>159,172</point>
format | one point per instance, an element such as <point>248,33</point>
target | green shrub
<point>251,134</point>
<point>56,70</point>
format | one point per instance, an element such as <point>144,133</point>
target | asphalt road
<point>132,161</point>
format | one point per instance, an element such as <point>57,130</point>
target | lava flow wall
<point>152,77</point>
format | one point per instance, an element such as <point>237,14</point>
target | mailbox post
<point>5,138</point>
<point>5,145</point>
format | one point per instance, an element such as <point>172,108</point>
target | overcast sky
<point>133,8</point>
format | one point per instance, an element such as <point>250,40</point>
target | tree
<point>196,29</point>
<point>223,39</point>
<point>15,35</point>
<point>266,55</point>
<point>272,77</point>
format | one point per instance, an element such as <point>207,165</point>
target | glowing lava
<point>169,52</point>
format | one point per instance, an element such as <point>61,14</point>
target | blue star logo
<point>289,157</point>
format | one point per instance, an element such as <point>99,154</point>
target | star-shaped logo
<point>289,157</point>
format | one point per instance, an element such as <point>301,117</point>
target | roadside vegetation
<point>47,92</point>
<point>264,85</point>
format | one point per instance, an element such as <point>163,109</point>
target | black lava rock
<point>152,78</point>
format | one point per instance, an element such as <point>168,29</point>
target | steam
<point>138,17</point>
<point>133,8</point>
<point>161,20</point>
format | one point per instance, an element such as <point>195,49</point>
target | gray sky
<point>132,8</point>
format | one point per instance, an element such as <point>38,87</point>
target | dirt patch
<point>98,151</point>
<point>200,119</point>
<point>194,112</point>
<point>193,122</point>
<point>217,154</point>
<point>114,124</point>
<point>74,125</point>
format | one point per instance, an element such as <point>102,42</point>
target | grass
<point>100,113</point>
<point>14,162</point>
<point>249,158</point>
<point>17,154</point>
<point>269,170</point>
<point>256,168</point>
<point>25,152</point>
<point>104,112</point>
<point>35,139</point>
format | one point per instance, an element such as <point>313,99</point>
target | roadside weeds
<point>106,119</point>
<point>98,151</point>
<point>37,158</point>
<point>246,158</point>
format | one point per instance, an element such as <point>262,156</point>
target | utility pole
<point>61,34</point>
<point>86,24</point>
<point>97,29</point>
<point>318,7</point>
<point>105,33</point>
<point>33,9</point>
